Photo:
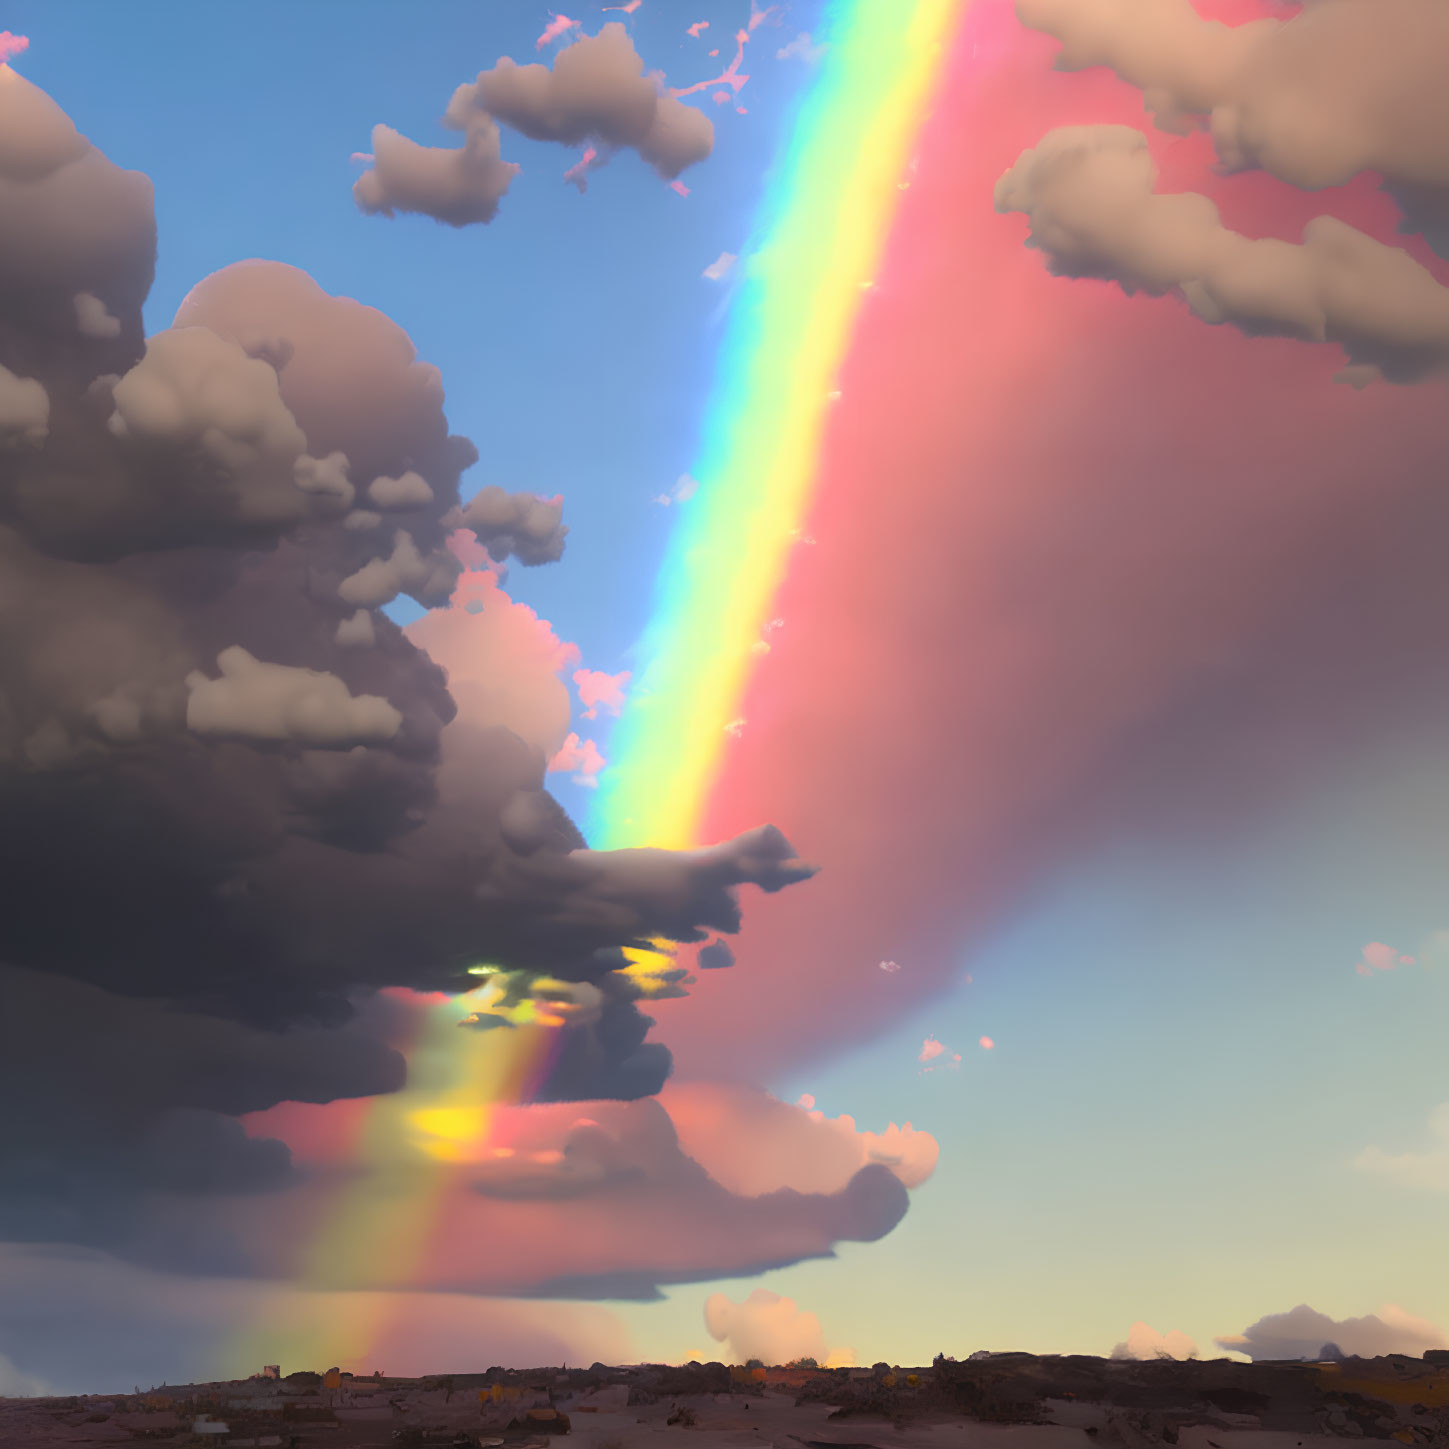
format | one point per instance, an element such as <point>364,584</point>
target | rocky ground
<point>997,1401</point>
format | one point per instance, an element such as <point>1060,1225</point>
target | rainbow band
<point>826,221</point>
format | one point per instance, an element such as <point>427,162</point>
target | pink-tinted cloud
<point>765,1326</point>
<point>12,45</point>
<point>598,690</point>
<point>806,1101</point>
<point>987,1043</point>
<point>628,9</point>
<point>1379,957</point>
<point>930,1049</point>
<point>680,187</point>
<point>730,77</point>
<point>698,28</point>
<point>721,98</point>
<point>890,967</point>
<point>753,1143</point>
<point>578,173</point>
<point>504,663</point>
<point>579,757</point>
<point>703,1182</point>
<point>1145,1342</point>
<point>557,26</point>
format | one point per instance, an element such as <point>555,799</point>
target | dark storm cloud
<point>235,797</point>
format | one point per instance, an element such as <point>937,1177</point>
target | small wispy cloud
<point>684,489</point>
<point>557,26</point>
<point>1426,1170</point>
<point>720,267</point>
<point>802,48</point>
<point>1379,957</point>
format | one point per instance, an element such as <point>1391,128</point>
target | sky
<point>890,801</point>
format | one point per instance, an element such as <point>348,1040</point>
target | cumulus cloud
<point>357,631</point>
<point>1426,1170</point>
<point>1088,192</point>
<point>598,690</point>
<point>93,319</point>
<point>581,758</point>
<point>192,749</point>
<point>457,185</point>
<point>515,525</point>
<point>596,91</point>
<point>765,1326</point>
<point>1302,1332</point>
<point>406,570</point>
<point>24,411</point>
<point>12,45</point>
<point>1144,1342</point>
<point>409,491</point>
<point>752,1142</point>
<point>278,702</point>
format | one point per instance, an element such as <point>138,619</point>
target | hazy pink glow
<point>987,1043</point>
<point>598,690</point>
<point>12,45</point>
<point>697,27</point>
<point>721,97</point>
<point>559,25</point>
<point>366,157</point>
<point>771,13</point>
<point>930,1049</point>
<point>680,187</point>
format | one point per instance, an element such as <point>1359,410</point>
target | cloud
<point>596,91</point>
<point>278,702</point>
<point>685,487</point>
<point>598,690</point>
<point>24,411</point>
<point>93,319</point>
<point>12,45</point>
<point>1144,1342</point>
<point>1088,192</point>
<point>698,28</point>
<point>427,578</point>
<point>1302,1332</point>
<point>720,267</point>
<point>764,1326</point>
<point>193,749</point>
<point>517,525</point>
<point>581,757</point>
<point>558,25</point>
<point>930,1050</point>
<point>1378,957</point>
<point>1340,89</point>
<point>1426,1171</point>
<point>716,956</point>
<point>411,490</point>
<point>459,186</point>
<point>802,48</point>
<point>753,1143</point>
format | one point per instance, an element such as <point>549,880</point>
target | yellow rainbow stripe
<point>827,219</point>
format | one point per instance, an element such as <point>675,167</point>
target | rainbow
<point>817,247</point>
<point>823,231</point>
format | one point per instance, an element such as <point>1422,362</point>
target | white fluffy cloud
<point>1303,1332</point>
<point>278,702</point>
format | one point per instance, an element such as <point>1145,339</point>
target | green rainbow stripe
<point>825,224</point>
